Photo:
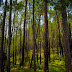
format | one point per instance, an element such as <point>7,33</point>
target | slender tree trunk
<point>20,35</point>
<point>62,40</point>
<point>45,38</point>
<point>70,41</point>
<point>13,36</point>
<point>57,46</point>
<point>14,30</point>
<point>16,49</point>
<point>26,42</point>
<point>39,45</point>
<point>24,34</point>
<point>66,37</point>
<point>9,39</point>
<point>69,32</point>
<point>37,51</point>
<point>29,34</point>
<point>36,36</point>
<point>48,46</point>
<point>31,61</point>
<point>2,40</point>
<point>49,49</point>
<point>40,52</point>
<point>13,49</point>
<point>34,39</point>
<point>53,43</point>
<point>60,45</point>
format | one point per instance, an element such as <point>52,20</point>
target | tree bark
<point>13,36</point>
<point>13,49</point>
<point>16,48</point>
<point>2,40</point>
<point>70,41</point>
<point>40,52</point>
<point>45,37</point>
<point>14,30</point>
<point>34,41</point>
<point>9,38</point>
<point>66,37</point>
<point>59,37</point>
<point>24,34</point>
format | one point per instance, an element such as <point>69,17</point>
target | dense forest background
<point>36,36</point>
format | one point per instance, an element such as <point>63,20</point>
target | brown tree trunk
<point>39,41</point>
<point>13,49</point>
<point>31,61</point>
<point>37,52</point>
<point>14,30</point>
<point>45,37</point>
<point>16,48</point>
<point>40,52</point>
<point>70,41</point>
<point>48,46</point>
<point>24,34</point>
<point>60,45</point>
<point>26,45</point>
<point>9,39</point>
<point>2,40</point>
<point>66,37</point>
<point>62,41</point>
<point>34,41</point>
<point>20,36</point>
<point>49,49</point>
<point>13,36</point>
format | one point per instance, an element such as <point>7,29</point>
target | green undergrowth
<point>56,64</point>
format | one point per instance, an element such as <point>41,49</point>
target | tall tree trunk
<point>9,39</point>
<point>48,46</point>
<point>13,36</point>
<point>36,35</point>
<point>16,49</point>
<point>20,35</point>
<point>70,41</point>
<point>45,37</point>
<point>14,30</point>
<point>60,45</point>
<point>2,40</point>
<point>69,32</point>
<point>62,41</point>
<point>24,34</point>
<point>26,42</point>
<point>29,34</point>
<point>34,41</point>
<point>37,51</point>
<point>53,44</point>
<point>66,37</point>
<point>40,52</point>
<point>39,45</point>
<point>31,61</point>
<point>13,49</point>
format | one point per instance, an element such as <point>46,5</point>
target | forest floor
<point>57,64</point>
